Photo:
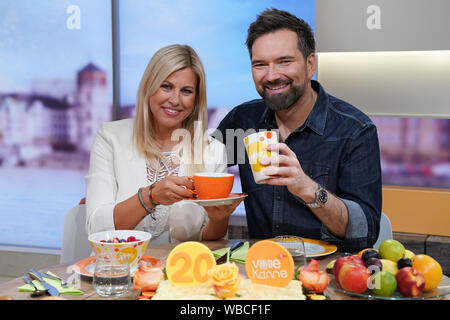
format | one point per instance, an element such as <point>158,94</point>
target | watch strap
<point>314,205</point>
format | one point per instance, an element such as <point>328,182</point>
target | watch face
<point>322,196</point>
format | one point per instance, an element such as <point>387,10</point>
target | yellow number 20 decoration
<point>188,264</point>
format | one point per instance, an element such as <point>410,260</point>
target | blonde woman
<point>138,167</point>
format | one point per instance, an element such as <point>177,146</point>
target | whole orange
<point>429,268</point>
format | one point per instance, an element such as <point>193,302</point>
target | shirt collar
<point>268,118</point>
<point>316,120</point>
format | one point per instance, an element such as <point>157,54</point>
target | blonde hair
<point>163,63</point>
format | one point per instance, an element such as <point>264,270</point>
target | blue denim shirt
<point>337,146</point>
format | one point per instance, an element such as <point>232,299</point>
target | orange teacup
<point>213,185</point>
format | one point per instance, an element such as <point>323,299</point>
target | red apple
<point>410,282</point>
<point>353,277</point>
<point>343,260</point>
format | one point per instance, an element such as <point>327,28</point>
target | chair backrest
<point>385,230</point>
<point>75,245</point>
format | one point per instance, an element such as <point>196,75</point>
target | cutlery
<point>37,292</point>
<point>63,282</point>
<point>34,274</point>
<point>223,258</point>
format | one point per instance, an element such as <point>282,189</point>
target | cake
<point>247,291</point>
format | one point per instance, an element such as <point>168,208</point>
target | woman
<point>138,168</point>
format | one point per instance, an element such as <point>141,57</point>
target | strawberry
<point>313,279</point>
<point>131,239</point>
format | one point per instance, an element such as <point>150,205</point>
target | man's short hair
<point>271,20</point>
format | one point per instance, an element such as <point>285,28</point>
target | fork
<point>63,282</point>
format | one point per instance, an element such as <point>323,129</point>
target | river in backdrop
<point>34,203</point>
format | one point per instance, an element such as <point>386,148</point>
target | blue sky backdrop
<point>36,43</point>
<point>215,29</point>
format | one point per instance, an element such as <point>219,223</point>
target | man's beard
<point>282,101</point>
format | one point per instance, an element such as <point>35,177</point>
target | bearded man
<point>326,179</point>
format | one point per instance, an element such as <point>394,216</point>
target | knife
<point>223,258</point>
<point>36,275</point>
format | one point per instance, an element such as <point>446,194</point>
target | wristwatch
<point>321,198</point>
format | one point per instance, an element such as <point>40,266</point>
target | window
<point>49,51</point>
<point>58,53</point>
<point>57,68</point>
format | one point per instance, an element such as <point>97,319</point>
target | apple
<point>410,282</point>
<point>343,260</point>
<point>353,277</point>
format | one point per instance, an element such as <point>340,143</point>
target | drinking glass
<point>296,247</point>
<point>111,275</point>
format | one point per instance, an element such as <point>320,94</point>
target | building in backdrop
<point>54,124</point>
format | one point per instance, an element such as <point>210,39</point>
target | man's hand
<point>287,171</point>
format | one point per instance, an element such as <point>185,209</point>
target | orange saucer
<point>86,266</point>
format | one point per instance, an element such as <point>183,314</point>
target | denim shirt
<point>337,146</point>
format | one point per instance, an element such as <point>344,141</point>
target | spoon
<point>37,292</point>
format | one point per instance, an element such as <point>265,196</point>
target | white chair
<point>385,230</point>
<point>75,245</point>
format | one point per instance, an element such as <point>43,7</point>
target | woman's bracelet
<point>150,195</point>
<point>150,212</point>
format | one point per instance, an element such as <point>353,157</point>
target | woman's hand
<point>221,213</point>
<point>171,189</point>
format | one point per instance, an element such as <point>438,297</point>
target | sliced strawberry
<point>313,279</point>
<point>312,266</point>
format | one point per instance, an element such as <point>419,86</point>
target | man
<point>328,183</point>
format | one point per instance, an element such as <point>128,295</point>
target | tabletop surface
<point>161,252</point>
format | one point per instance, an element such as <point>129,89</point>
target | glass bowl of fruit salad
<point>116,243</point>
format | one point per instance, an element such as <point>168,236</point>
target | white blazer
<point>117,171</point>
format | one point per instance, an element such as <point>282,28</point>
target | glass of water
<point>111,275</point>
<point>296,247</point>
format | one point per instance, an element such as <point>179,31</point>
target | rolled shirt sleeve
<point>357,223</point>
<point>360,189</point>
